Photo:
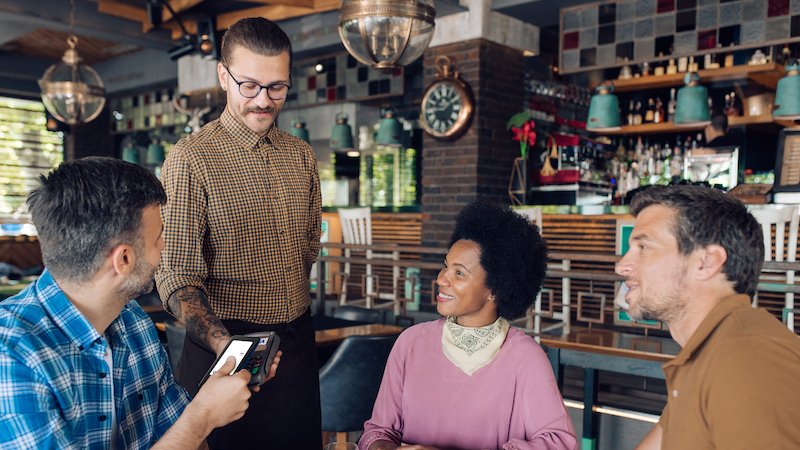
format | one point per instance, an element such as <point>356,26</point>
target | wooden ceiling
<point>51,44</point>
<point>225,13</point>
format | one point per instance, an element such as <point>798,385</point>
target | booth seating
<point>349,383</point>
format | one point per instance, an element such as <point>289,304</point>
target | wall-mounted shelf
<point>669,127</point>
<point>764,74</point>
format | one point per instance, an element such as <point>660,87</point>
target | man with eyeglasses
<point>242,229</point>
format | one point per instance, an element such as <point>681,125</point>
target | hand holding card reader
<point>253,352</point>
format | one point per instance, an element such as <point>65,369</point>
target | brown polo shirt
<point>242,221</point>
<point>736,383</point>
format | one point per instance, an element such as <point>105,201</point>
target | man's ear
<point>711,260</point>
<point>222,75</point>
<point>123,259</point>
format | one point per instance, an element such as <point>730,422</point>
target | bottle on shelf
<point>649,114</point>
<point>637,114</point>
<point>630,120</point>
<point>671,67</point>
<point>658,115</point>
<point>672,105</point>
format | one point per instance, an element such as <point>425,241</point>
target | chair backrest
<point>779,217</point>
<point>532,213</point>
<point>356,225</point>
<point>350,380</point>
<point>360,314</point>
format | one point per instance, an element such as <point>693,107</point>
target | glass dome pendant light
<point>72,92</point>
<point>386,34</point>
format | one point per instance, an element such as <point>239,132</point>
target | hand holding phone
<point>240,348</point>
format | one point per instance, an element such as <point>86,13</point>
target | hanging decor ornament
<point>386,34</point>
<point>72,92</point>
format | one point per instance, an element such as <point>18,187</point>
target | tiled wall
<point>341,78</point>
<point>601,35</point>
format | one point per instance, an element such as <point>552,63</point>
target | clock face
<point>446,109</point>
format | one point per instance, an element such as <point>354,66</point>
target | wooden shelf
<point>669,127</point>
<point>764,74</point>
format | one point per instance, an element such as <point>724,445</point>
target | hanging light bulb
<point>72,92</point>
<point>386,34</point>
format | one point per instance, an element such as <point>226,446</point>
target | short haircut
<point>259,35</point>
<point>719,122</point>
<point>706,216</point>
<point>84,208</point>
<point>513,253</point>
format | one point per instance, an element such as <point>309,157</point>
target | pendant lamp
<point>692,104</point>
<point>130,153</point>
<point>603,110</point>
<point>155,154</point>
<point>72,92</point>
<point>386,34</point>
<point>787,95</point>
<point>299,130</point>
<point>390,130</point>
<point>342,134</point>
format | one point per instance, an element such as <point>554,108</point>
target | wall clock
<point>447,106</point>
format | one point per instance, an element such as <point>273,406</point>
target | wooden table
<point>337,335</point>
<point>611,351</point>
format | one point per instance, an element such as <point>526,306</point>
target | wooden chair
<point>356,226</point>
<point>782,219</point>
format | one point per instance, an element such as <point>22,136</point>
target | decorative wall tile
<point>778,28</point>
<point>686,20</point>
<point>570,40</point>
<point>606,34</point>
<point>707,39</point>
<point>645,8</point>
<point>571,20</point>
<point>625,32</point>
<point>795,31</point>
<point>686,4</point>
<point>665,6</point>
<point>626,10</point>
<point>731,35</point>
<point>589,17</point>
<point>606,55</point>
<point>730,13</point>
<point>665,24</point>
<point>708,2</point>
<point>754,9</point>
<point>607,13</point>
<point>644,28</point>
<point>685,43</point>
<point>707,17</point>
<point>588,38</point>
<point>625,51</point>
<point>665,45</point>
<point>570,59</point>
<point>753,32</point>
<point>644,49</point>
<point>794,7</point>
<point>777,8</point>
<point>589,57</point>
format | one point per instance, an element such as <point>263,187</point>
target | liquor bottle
<point>650,112</point>
<point>637,114</point>
<point>672,105</point>
<point>658,116</point>
<point>630,113</point>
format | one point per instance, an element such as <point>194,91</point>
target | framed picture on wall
<point>787,168</point>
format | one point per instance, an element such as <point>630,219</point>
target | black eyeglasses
<point>251,89</point>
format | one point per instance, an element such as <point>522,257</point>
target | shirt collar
<point>245,136</point>
<point>724,308</point>
<point>63,313</point>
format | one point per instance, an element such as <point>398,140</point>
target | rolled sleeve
<point>185,224</point>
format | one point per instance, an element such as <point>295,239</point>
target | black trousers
<point>285,414</point>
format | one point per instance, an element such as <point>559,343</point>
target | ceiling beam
<point>178,6</point>
<point>274,13</point>
<point>300,3</point>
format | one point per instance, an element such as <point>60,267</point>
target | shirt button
<point>102,418</point>
<point>101,375</point>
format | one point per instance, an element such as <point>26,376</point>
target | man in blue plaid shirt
<point>81,366</point>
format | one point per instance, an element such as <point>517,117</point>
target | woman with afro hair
<point>469,380</point>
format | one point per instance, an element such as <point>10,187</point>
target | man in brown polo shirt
<point>241,231</point>
<point>694,260</point>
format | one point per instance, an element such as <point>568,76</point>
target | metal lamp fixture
<point>603,110</point>
<point>72,92</point>
<point>299,130</point>
<point>787,95</point>
<point>155,154</point>
<point>692,104</point>
<point>342,134</point>
<point>385,34</point>
<point>390,130</point>
<point>130,153</point>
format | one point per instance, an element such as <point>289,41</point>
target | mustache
<point>268,110</point>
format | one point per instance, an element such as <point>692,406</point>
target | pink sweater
<point>511,403</point>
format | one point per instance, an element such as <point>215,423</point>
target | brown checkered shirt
<point>242,221</point>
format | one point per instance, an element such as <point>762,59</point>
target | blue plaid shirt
<point>55,391</point>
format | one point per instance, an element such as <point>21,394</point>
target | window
<point>27,150</point>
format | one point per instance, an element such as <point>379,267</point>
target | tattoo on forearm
<point>190,306</point>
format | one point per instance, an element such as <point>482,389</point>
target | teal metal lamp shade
<point>390,130</point>
<point>299,130</point>
<point>130,154</point>
<point>603,110</point>
<point>155,154</point>
<point>787,96</point>
<point>692,107</point>
<point>342,134</point>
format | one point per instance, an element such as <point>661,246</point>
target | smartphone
<point>241,348</point>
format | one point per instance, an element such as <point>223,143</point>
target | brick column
<point>479,162</point>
